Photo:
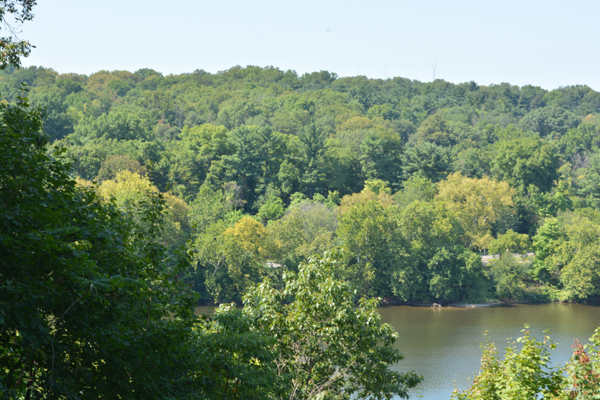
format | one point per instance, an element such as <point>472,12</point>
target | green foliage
<point>326,346</point>
<point>228,259</point>
<point>311,148</point>
<point>307,228</point>
<point>117,125</point>
<point>527,373</point>
<point>545,244</point>
<point>236,361</point>
<point>365,231</point>
<point>524,162</point>
<point>509,273</point>
<point>590,180</point>
<point>415,189</point>
<point>195,158</point>
<point>512,242</point>
<point>577,258</point>
<point>578,141</point>
<point>473,163</point>
<point>434,130</point>
<point>57,123</point>
<point>264,137</point>
<point>524,373</point>
<point>13,50</point>
<point>380,156</point>
<point>428,264</point>
<point>272,209</point>
<point>243,166</point>
<point>426,160</point>
<point>551,120</point>
<point>87,293</point>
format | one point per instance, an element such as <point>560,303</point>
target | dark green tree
<point>244,165</point>
<point>589,184</point>
<point>271,152</point>
<point>311,149</point>
<point>13,50</point>
<point>88,304</point>
<point>380,158</point>
<point>524,162</point>
<point>427,161</point>
<point>550,120</point>
<point>57,122</point>
<point>119,125</point>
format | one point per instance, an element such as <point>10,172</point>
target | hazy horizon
<point>537,43</point>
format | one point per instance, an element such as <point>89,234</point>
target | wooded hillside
<point>412,180</point>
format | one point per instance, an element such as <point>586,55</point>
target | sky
<point>543,43</point>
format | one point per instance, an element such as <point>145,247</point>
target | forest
<point>408,182</point>
<point>127,198</point>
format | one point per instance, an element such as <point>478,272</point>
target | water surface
<point>443,345</point>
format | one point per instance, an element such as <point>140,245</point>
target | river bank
<point>388,301</point>
<point>392,301</point>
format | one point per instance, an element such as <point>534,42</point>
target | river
<point>443,345</point>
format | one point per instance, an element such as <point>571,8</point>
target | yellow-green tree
<point>224,266</point>
<point>477,203</point>
<point>129,188</point>
<point>510,241</point>
<point>251,234</point>
<point>375,190</point>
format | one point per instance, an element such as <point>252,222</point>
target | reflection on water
<point>444,345</point>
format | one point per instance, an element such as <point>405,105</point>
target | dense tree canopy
<point>126,196</point>
<point>86,289</point>
<point>94,304</point>
<point>281,149</point>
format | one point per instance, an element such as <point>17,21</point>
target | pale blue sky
<point>544,43</point>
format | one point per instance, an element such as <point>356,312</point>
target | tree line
<point>322,162</point>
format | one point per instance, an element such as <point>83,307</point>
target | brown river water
<point>443,345</point>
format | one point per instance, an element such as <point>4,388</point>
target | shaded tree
<point>427,161</point>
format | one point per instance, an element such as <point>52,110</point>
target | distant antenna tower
<point>384,71</point>
<point>434,65</point>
